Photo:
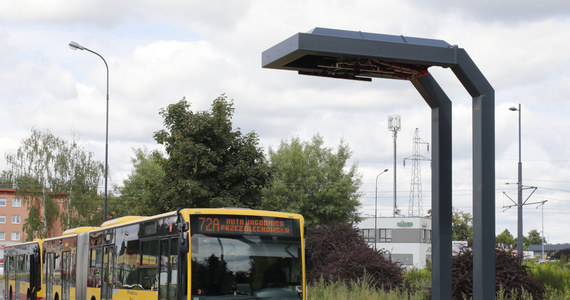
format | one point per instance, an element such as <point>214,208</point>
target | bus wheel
<point>10,296</point>
<point>56,297</point>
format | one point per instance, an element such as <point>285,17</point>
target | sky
<point>159,52</point>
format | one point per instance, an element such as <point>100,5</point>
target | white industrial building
<point>407,240</point>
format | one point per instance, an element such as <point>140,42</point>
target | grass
<point>339,290</point>
<point>555,275</point>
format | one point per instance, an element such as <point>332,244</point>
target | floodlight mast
<point>363,56</point>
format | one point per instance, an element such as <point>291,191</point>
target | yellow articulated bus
<point>22,271</point>
<point>190,254</point>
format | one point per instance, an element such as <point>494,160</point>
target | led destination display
<point>231,225</point>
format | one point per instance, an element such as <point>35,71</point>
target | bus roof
<point>78,230</point>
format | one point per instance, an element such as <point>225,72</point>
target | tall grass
<point>555,276</point>
<point>361,289</point>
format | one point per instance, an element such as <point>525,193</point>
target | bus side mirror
<point>183,244</point>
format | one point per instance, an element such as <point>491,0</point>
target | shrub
<point>419,280</point>
<point>512,276</point>
<point>555,275</point>
<point>562,254</point>
<point>340,253</point>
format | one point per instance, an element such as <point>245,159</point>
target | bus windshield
<point>246,266</point>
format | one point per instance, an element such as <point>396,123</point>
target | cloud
<point>108,14</point>
<point>500,11</point>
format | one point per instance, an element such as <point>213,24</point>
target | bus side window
<point>94,276</point>
<point>149,263</point>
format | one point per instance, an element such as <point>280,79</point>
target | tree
<point>142,191</point>
<point>534,238</point>
<point>57,179</point>
<point>310,179</point>
<point>462,226</point>
<point>209,164</point>
<point>505,240</point>
<point>6,181</point>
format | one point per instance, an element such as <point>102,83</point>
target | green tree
<point>6,180</point>
<point>312,180</point>
<point>505,240</point>
<point>209,164</point>
<point>533,238</point>
<point>462,226</point>
<point>142,191</point>
<point>57,179</point>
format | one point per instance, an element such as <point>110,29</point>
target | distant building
<point>13,215</point>
<point>13,212</point>
<point>406,239</point>
<point>549,249</point>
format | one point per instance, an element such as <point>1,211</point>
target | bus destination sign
<point>232,224</point>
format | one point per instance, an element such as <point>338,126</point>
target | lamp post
<point>519,192</point>
<point>76,46</point>
<point>376,209</point>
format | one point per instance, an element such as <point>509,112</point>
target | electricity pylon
<point>415,208</point>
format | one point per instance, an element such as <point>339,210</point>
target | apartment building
<point>13,213</point>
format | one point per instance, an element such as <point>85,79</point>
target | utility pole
<point>394,125</point>
<point>520,187</point>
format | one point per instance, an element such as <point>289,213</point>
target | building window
<point>15,236</point>
<point>385,235</point>
<point>368,235</point>
<point>16,202</point>
<point>16,219</point>
<point>2,236</point>
<point>2,219</point>
<point>426,236</point>
<point>2,202</point>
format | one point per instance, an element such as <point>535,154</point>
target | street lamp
<point>519,192</point>
<point>76,46</point>
<point>376,209</point>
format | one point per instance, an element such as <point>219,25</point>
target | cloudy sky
<point>161,51</point>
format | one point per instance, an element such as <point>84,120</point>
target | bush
<point>561,255</point>
<point>419,281</point>
<point>340,253</point>
<point>555,275</point>
<point>512,277</point>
